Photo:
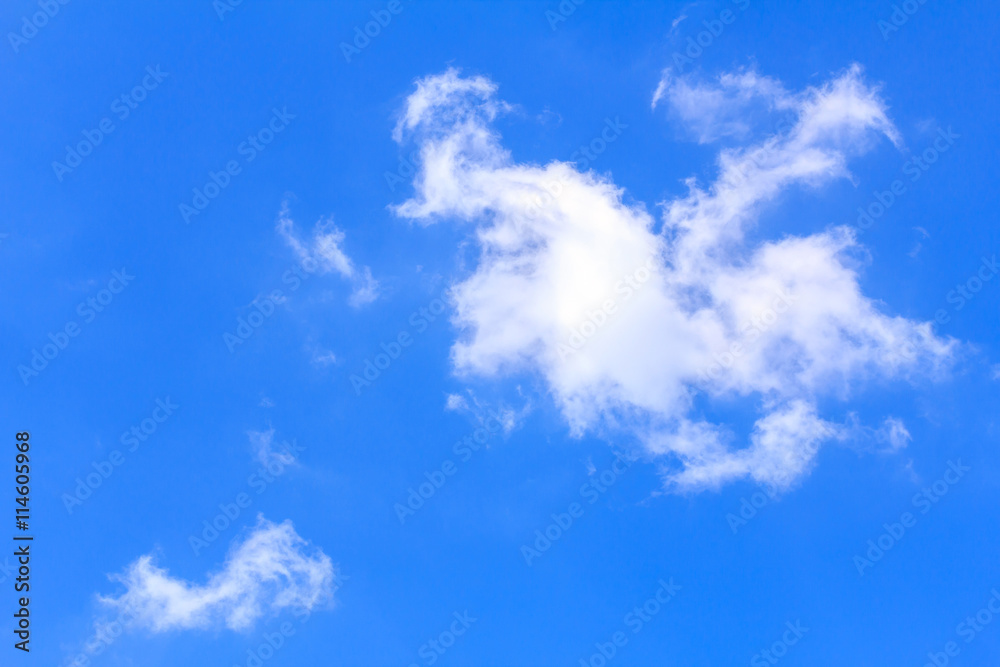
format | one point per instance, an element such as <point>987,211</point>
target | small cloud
<point>271,570</point>
<point>893,434</point>
<point>681,17</point>
<point>923,234</point>
<point>548,116</point>
<point>366,289</point>
<point>512,419</point>
<point>324,358</point>
<point>455,403</point>
<point>889,437</point>
<point>263,449</point>
<point>509,418</point>
<point>323,252</point>
<point>661,89</point>
<point>996,371</point>
<point>266,402</point>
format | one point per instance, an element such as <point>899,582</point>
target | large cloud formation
<point>635,325</point>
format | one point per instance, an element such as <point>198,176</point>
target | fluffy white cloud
<point>634,325</point>
<point>323,250</point>
<point>271,570</point>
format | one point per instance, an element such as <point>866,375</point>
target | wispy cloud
<point>264,449</point>
<point>693,309</point>
<point>725,107</point>
<point>894,434</point>
<point>324,358</point>
<point>271,570</point>
<point>324,250</point>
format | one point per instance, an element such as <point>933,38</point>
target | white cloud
<point>456,403</point>
<point>996,371</point>
<point>264,451</point>
<point>692,309</point>
<point>894,434</point>
<point>272,570</point>
<point>324,358</point>
<point>365,288</point>
<point>323,250</point>
<point>726,107</point>
<point>681,17</point>
<point>508,418</point>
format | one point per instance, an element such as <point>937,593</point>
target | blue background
<point>162,336</point>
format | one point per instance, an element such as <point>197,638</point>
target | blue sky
<point>444,207</point>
